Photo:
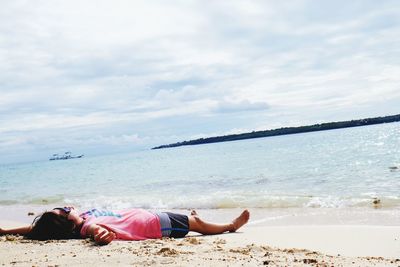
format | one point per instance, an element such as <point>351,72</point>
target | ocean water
<point>344,168</point>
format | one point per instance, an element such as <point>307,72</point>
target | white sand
<point>272,237</point>
<point>354,240</point>
<point>252,246</point>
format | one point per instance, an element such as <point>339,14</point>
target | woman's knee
<point>195,223</point>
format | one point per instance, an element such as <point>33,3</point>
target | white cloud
<point>185,68</point>
<point>240,106</point>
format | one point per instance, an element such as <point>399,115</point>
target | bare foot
<point>193,212</point>
<point>240,221</point>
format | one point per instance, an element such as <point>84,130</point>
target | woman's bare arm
<point>16,231</point>
<point>101,235</point>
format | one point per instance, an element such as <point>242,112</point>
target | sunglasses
<point>65,209</point>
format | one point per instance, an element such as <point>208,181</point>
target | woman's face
<point>71,215</point>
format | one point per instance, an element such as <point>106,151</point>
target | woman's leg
<point>198,225</point>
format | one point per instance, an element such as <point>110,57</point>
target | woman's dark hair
<point>52,226</point>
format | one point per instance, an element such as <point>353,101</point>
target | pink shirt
<point>132,224</point>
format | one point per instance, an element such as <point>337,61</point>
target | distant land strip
<point>286,130</point>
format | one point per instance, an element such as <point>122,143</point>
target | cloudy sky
<point>99,77</point>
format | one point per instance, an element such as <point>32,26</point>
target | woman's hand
<point>102,236</point>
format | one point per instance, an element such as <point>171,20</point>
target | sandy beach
<point>305,245</point>
<point>274,124</point>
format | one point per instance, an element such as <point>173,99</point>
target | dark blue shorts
<point>173,224</point>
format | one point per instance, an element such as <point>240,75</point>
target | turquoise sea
<point>344,168</point>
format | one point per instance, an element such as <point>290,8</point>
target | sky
<point>97,77</point>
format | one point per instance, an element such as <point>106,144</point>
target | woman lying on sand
<point>132,224</point>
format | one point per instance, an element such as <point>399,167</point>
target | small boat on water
<point>67,155</point>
